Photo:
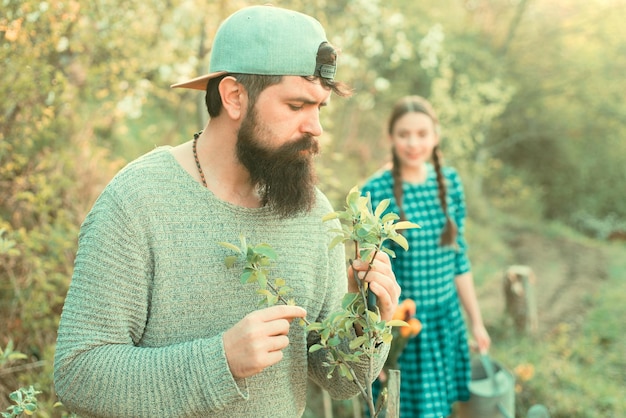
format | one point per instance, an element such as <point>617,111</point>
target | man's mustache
<point>305,143</point>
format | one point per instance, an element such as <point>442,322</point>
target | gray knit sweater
<point>150,297</point>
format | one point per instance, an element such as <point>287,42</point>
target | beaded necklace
<point>195,156</point>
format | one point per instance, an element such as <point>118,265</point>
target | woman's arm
<point>467,295</point>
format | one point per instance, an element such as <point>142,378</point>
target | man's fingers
<point>287,312</point>
<point>381,265</point>
<point>277,343</point>
<point>381,259</point>
<point>257,341</point>
<point>360,265</point>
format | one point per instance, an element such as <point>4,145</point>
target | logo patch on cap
<point>326,71</point>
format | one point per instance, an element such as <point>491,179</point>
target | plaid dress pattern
<point>435,365</point>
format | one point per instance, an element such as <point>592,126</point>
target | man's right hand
<point>256,342</point>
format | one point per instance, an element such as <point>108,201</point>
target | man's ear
<point>234,97</point>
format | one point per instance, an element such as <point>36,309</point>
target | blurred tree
<point>565,129</point>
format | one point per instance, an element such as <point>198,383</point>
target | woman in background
<point>435,271</point>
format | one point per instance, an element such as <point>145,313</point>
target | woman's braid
<point>448,235</point>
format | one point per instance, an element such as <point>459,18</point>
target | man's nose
<point>312,124</point>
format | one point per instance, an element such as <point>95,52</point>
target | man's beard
<point>285,176</point>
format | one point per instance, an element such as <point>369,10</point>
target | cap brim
<point>198,83</point>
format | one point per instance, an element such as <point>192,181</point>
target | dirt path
<point>568,274</point>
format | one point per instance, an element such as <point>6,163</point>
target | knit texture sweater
<point>150,298</point>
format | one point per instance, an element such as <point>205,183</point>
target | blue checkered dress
<point>434,366</point>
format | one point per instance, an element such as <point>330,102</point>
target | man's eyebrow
<point>307,101</point>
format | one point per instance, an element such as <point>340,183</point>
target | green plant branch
<point>282,299</point>
<point>359,282</point>
<point>366,391</point>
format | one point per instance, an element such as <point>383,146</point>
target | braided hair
<point>418,104</point>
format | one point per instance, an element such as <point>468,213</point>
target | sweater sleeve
<point>100,367</point>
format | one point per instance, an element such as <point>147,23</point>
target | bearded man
<point>154,324</point>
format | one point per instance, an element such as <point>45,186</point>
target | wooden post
<point>356,408</point>
<point>328,404</point>
<point>393,394</point>
<point>521,302</point>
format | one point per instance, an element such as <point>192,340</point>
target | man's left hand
<point>382,282</point>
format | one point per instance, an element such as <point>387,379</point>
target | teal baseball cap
<point>266,40</point>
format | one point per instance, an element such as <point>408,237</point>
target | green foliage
<point>559,131</point>
<point>257,260</point>
<point>7,246</point>
<point>8,354</point>
<point>50,172</point>
<point>366,228</point>
<point>25,402</point>
<point>576,373</point>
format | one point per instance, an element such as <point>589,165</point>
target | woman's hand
<point>481,336</point>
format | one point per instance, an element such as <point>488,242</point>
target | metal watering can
<point>492,391</point>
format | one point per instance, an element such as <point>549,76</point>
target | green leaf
<point>406,225</point>
<point>17,356</point>
<point>357,342</point>
<point>244,244</point>
<point>247,277</point>
<point>389,217</point>
<point>396,323</point>
<point>230,260</point>
<point>330,216</point>
<point>345,371</point>
<point>373,316</point>
<point>338,239</point>
<point>349,299</point>
<point>261,279</point>
<point>334,341</point>
<point>401,241</point>
<point>315,347</point>
<point>284,291</point>
<point>230,247</point>
<point>380,209</point>
<point>266,250</point>
<point>389,252</point>
<point>314,326</point>
<point>352,196</point>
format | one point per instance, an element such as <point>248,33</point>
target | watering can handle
<point>488,366</point>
